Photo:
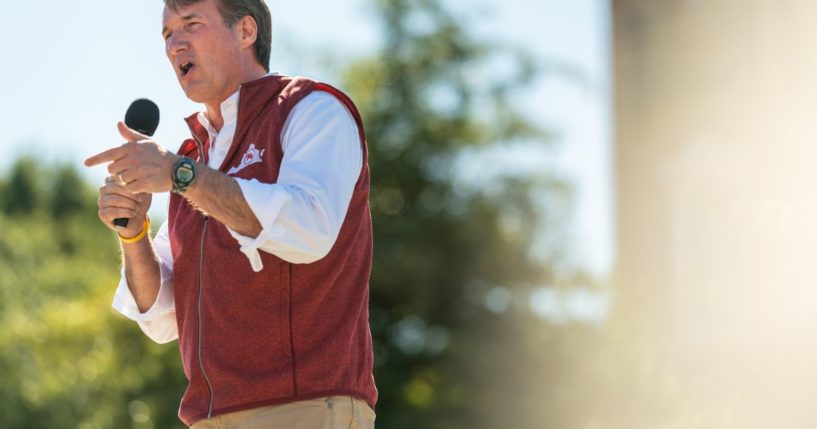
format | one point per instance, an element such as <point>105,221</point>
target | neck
<point>214,107</point>
<point>214,114</point>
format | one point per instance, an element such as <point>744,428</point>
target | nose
<point>175,43</point>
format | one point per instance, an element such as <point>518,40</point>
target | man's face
<point>204,51</point>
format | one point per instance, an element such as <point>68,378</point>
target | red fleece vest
<point>292,331</point>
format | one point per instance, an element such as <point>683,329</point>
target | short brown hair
<point>232,11</point>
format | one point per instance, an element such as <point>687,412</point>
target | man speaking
<point>262,267</point>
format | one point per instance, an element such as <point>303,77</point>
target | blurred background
<point>588,214</point>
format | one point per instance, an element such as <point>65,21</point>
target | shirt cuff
<point>124,302</point>
<point>266,201</point>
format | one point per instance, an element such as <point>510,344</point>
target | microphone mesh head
<point>143,116</point>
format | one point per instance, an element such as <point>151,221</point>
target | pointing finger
<point>106,156</point>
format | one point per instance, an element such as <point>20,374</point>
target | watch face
<point>185,174</point>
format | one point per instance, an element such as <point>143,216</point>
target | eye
<point>167,35</point>
<point>192,26</point>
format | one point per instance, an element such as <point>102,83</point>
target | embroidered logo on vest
<point>252,156</point>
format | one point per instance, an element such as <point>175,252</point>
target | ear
<point>247,31</point>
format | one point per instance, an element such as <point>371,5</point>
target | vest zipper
<point>201,285</point>
<point>203,158</point>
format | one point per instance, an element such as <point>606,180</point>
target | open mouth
<point>185,68</point>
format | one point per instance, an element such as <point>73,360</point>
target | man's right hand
<point>117,202</point>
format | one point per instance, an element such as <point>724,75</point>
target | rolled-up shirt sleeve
<point>301,215</point>
<point>159,321</point>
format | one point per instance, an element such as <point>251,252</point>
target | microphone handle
<point>123,221</point>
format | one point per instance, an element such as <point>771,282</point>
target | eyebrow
<point>184,18</point>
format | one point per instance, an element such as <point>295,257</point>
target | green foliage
<point>68,195</point>
<point>67,360</point>
<point>23,193</point>
<point>442,246</point>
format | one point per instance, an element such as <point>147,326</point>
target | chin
<point>193,95</point>
<point>199,91</point>
<point>194,98</point>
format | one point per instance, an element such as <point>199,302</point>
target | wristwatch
<point>183,174</point>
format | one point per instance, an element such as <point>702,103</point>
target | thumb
<point>128,134</point>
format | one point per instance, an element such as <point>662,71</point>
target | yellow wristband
<point>139,236</point>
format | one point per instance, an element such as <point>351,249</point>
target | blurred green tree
<point>68,195</point>
<point>66,359</point>
<point>456,345</point>
<point>23,193</point>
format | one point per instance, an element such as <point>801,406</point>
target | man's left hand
<point>141,165</point>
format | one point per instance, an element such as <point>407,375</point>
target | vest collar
<point>253,96</point>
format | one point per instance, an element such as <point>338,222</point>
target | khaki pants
<point>334,412</point>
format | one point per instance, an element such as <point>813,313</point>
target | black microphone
<point>142,116</point>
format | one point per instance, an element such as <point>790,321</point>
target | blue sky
<point>72,68</point>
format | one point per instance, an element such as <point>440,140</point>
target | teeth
<point>186,68</point>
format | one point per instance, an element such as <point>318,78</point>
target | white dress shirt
<point>300,215</point>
